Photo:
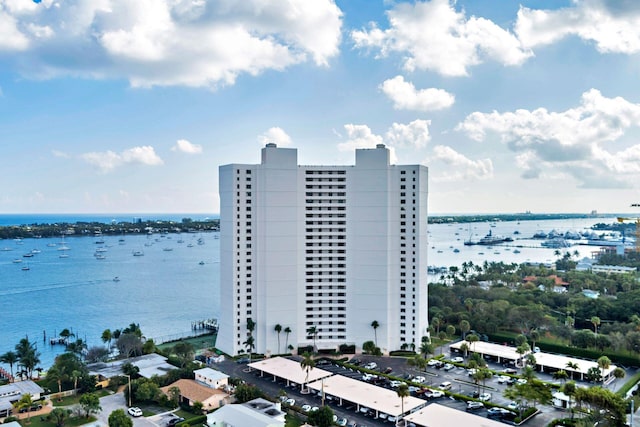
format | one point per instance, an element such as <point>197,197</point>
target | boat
<point>35,251</point>
<point>17,261</point>
<point>51,245</point>
<point>540,235</point>
<point>25,268</point>
<point>7,249</point>
<point>517,251</point>
<point>492,239</point>
<point>556,242</point>
<point>100,256</point>
<point>201,263</point>
<point>64,256</point>
<point>190,245</point>
<point>138,253</point>
<point>28,255</point>
<point>116,279</point>
<point>456,250</point>
<point>167,249</point>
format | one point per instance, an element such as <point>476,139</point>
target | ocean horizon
<point>103,218</point>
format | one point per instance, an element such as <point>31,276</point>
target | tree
<point>573,367</point>
<point>402,391</point>
<point>313,332</point>
<point>119,418</point>
<point>278,329</point>
<point>287,331</point>
<point>595,321</point>
<point>522,350</point>
<point>464,348</point>
<point>60,415</point>
<point>90,403</point>
<point>472,339</point>
<point>57,374</point>
<point>369,347</point>
<point>569,389</point>
<point>322,417</point>
<point>451,330</point>
<point>129,344</point>
<point>75,375</point>
<point>602,405</point>
<point>246,392</point>
<point>10,358</point>
<point>130,369</point>
<point>107,336</point>
<point>24,403</point>
<point>560,375</point>
<point>28,356</point>
<point>197,407</point>
<point>464,328</point>
<point>619,373</point>
<point>185,351</point>
<point>250,345</point>
<point>375,325</point>
<point>174,395</point>
<point>426,348</point>
<point>307,364</point>
<point>603,363</point>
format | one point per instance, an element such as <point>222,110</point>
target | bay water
<point>176,280</point>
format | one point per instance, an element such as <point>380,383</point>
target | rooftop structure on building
<point>330,249</point>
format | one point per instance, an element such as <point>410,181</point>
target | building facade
<point>323,252</point>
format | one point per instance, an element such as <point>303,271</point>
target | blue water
<point>163,291</point>
<point>28,219</point>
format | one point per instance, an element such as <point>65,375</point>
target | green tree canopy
<point>119,418</point>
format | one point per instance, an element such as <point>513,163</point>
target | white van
<point>445,385</point>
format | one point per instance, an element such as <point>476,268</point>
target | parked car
<point>472,371</point>
<point>521,381</point>
<point>503,379</point>
<point>371,365</point>
<point>446,385</point>
<point>419,379</point>
<point>134,411</point>
<point>290,402</point>
<point>474,406</point>
<point>449,367</point>
<point>388,370</point>
<point>510,371</point>
<point>342,422</point>
<point>485,397</point>
<point>306,408</point>
<point>457,359</point>
<point>173,421</point>
<point>498,413</point>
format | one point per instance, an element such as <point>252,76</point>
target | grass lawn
<point>72,400</point>
<point>201,342</point>
<point>37,421</point>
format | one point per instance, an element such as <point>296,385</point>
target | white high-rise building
<point>330,248</point>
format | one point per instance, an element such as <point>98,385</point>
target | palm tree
<point>313,331</point>
<point>287,331</point>
<point>403,391</point>
<point>25,402</point>
<point>375,325</point>
<point>464,348</point>
<point>569,389</point>
<point>57,374</point>
<point>307,364</point>
<point>595,320</point>
<point>472,339</point>
<point>523,349</point>
<point>250,344</point>
<point>603,363</point>
<point>464,328</point>
<point>573,366</point>
<point>278,329</point>
<point>560,375</point>
<point>107,336</point>
<point>10,358</point>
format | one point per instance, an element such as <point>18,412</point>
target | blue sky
<point>113,106</point>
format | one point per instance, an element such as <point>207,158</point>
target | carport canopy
<point>288,369</point>
<point>368,395</point>
<point>495,350</point>
<point>436,415</point>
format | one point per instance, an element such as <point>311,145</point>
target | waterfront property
<point>11,393</point>
<point>323,251</point>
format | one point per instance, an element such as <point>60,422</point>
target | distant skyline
<point>113,106</point>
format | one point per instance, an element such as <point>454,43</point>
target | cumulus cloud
<point>359,136</point>
<point>576,141</point>
<point>405,96</point>
<point>185,146</point>
<point>276,135</point>
<point>461,167</point>
<point>167,42</point>
<point>614,26</point>
<point>413,136</point>
<point>109,160</point>
<point>432,35</point>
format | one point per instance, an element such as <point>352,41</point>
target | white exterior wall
<point>326,247</point>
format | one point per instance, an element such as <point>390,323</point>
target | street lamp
<point>129,377</point>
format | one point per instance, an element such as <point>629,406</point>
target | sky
<point>118,106</point>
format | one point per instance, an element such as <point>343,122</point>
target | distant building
<point>11,393</point>
<point>192,391</point>
<point>333,248</point>
<point>612,269</point>
<point>211,378</point>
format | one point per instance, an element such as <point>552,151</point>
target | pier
<point>207,325</point>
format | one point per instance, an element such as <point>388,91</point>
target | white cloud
<point>168,42</point>
<point>613,26</point>
<point>414,134</point>
<point>432,35</point>
<point>359,136</point>
<point>185,146</point>
<point>276,135</point>
<point>576,141</point>
<point>405,96</point>
<point>109,160</point>
<point>461,167</point>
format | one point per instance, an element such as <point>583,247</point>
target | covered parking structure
<point>288,370</point>
<point>545,362</point>
<point>503,353</point>
<point>365,395</point>
<point>436,415</point>
<point>555,362</point>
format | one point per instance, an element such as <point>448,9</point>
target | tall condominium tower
<point>330,249</point>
